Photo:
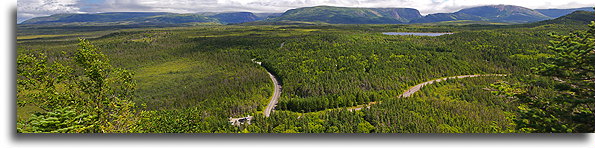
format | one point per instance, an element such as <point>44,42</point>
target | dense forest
<point>194,79</point>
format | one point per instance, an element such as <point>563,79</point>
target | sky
<point>27,9</point>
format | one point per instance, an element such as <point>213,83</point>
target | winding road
<point>275,97</point>
<point>276,93</point>
<point>417,87</point>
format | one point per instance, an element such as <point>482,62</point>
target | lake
<point>415,33</point>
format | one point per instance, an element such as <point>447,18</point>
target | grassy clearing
<point>40,36</point>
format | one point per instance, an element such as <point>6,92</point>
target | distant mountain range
<point>150,18</point>
<point>494,13</point>
<point>555,13</point>
<point>344,15</point>
<point>576,17</point>
<point>319,14</point>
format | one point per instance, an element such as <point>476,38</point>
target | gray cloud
<point>32,8</point>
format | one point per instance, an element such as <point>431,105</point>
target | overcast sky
<point>27,9</point>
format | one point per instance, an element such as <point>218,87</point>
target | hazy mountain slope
<point>506,13</point>
<point>318,14</point>
<point>235,17</point>
<point>122,17</point>
<point>344,15</point>
<point>99,17</point>
<point>492,13</point>
<point>555,13</point>
<point>175,19</point>
<point>576,18</point>
<point>149,18</point>
<point>441,17</point>
<point>262,16</point>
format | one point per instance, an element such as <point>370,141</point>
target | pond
<point>415,33</point>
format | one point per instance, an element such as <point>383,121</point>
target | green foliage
<point>64,120</point>
<point>190,120</point>
<point>87,87</point>
<point>572,71</point>
<point>192,79</point>
<point>330,70</point>
<point>535,113</point>
<point>574,67</point>
<point>454,106</point>
<point>104,89</point>
<point>334,121</point>
<point>41,83</point>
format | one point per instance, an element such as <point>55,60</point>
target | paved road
<point>276,93</point>
<point>275,96</point>
<point>417,87</point>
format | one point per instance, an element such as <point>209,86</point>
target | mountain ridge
<point>491,13</point>
<point>348,15</point>
<point>320,14</point>
<point>555,13</point>
<point>576,18</point>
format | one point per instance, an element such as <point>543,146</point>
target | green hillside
<point>236,17</point>
<point>344,15</point>
<point>146,18</point>
<point>555,13</point>
<point>175,19</point>
<point>99,17</point>
<point>577,17</point>
<point>493,13</point>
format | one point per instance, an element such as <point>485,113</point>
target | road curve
<point>417,87</point>
<point>276,93</point>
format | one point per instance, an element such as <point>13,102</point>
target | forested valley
<point>195,79</point>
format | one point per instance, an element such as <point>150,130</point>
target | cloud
<point>117,6</point>
<point>34,8</point>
